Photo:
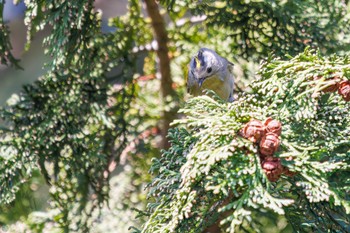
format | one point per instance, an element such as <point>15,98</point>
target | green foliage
<point>25,202</point>
<point>285,27</point>
<point>73,24</point>
<point>6,57</point>
<point>210,170</point>
<point>71,121</point>
<point>74,122</point>
<point>316,135</point>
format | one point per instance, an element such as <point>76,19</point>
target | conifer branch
<point>214,160</point>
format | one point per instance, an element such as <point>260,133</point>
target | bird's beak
<point>200,81</point>
<point>195,75</point>
<point>196,71</point>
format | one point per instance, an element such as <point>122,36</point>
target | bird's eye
<point>209,69</point>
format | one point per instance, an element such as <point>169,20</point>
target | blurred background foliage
<point>100,78</point>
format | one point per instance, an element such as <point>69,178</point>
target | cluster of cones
<point>266,136</point>
<point>336,84</point>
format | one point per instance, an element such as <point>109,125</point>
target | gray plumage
<point>208,70</point>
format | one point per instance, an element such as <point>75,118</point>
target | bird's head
<point>206,64</point>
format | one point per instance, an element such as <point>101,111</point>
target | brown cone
<point>273,168</point>
<point>273,126</point>
<point>269,144</point>
<point>344,90</point>
<point>253,130</point>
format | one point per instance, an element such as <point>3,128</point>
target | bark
<point>161,37</point>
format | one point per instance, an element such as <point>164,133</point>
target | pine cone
<point>253,130</point>
<point>344,90</point>
<point>269,144</point>
<point>273,168</point>
<point>273,126</point>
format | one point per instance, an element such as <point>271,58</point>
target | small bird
<point>208,70</point>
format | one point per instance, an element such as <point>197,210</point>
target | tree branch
<point>161,36</point>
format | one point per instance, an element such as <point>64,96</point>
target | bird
<point>208,70</point>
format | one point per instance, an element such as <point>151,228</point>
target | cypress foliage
<point>71,122</point>
<point>75,121</point>
<point>286,27</point>
<point>6,57</point>
<point>211,172</point>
